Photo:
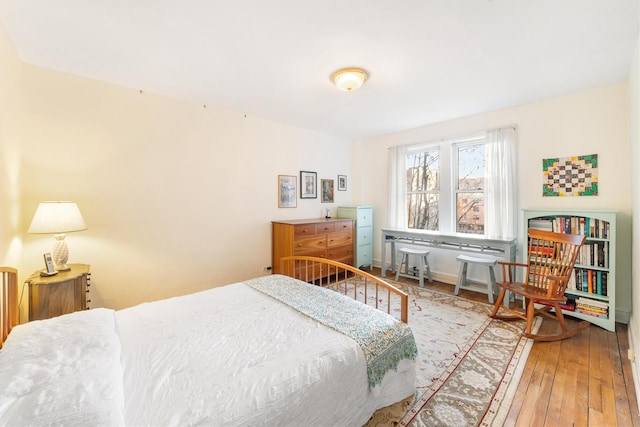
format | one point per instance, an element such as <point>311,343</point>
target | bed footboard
<point>8,301</point>
<point>349,281</point>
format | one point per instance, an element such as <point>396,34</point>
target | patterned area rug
<point>469,365</point>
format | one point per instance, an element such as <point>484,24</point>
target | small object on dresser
<point>49,269</point>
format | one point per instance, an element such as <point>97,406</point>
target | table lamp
<point>58,218</point>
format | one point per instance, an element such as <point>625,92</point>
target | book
<point>591,313</point>
<point>592,302</point>
<point>570,305</point>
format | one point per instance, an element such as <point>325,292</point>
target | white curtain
<point>501,187</point>
<point>397,187</point>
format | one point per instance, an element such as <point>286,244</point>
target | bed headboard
<point>8,301</point>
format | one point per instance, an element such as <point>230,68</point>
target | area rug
<point>469,365</point>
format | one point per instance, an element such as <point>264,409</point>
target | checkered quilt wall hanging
<point>570,176</point>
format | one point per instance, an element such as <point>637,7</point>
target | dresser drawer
<point>302,230</point>
<point>363,236</point>
<point>364,218</point>
<point>326,228</point>
<point>364,255</point>
<point>339,253</point>
<point>339,239</point>
<point>304,245</point>
<point>343,226</point>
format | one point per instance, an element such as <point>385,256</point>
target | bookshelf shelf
<point>593,286</point>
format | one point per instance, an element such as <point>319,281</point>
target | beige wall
<point>594,121</point>
<point>10,108</point>
<point>634,323</point>
<point>177,197</point>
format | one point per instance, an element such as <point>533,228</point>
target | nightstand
<point>63,293</point>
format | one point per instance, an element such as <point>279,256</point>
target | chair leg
<point>498,303</point>
<point>421,271</point>
<point>531,314</point>
<point>560,317</point>
<point>491,284</point>
<point>399,267</point>
<point>426,262</point>
<point>462,278</point>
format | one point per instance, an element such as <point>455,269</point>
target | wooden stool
<point>422,264</point>
<point>462,282</point>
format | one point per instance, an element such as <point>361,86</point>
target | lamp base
<point>62,267</point>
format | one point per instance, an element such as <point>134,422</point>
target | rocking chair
<point>550,260</point>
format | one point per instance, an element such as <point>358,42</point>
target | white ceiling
<point>428,60</point>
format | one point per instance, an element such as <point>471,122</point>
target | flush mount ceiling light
<point>349,79</point>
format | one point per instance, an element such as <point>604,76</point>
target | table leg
<point>383,264</point>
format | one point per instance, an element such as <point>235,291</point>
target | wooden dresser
<point>325,238</point>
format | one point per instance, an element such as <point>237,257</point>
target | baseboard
<point>623,316</point>
<point>439,277</point>
<point>635,363</point>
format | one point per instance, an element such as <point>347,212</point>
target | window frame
<point>448,171</point>
<point>455,177</point>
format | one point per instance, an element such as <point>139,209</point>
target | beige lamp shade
<point>58,218</point>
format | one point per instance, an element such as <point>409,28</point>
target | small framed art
<point>308,185</point>
<point>287,191</point>
<point>327,190</point>
<point>342,183</point>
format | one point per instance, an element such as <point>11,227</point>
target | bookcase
<point>591,293</point>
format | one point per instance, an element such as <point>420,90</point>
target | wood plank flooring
<point>585,380</point>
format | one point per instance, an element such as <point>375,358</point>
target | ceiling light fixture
<point>349,79</point>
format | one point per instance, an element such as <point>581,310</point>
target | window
<point>469,189</point>
<point>464,185</point>
<point>423,189</point>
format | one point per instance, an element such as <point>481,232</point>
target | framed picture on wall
<point>308,185</point>
<point>342,183</point>
<point>327,190</point>
<point>287,191</point>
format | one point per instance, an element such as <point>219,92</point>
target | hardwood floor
<point>584,380</point>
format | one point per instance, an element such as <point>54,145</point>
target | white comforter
<point>63,371</point>
<point>229,356</point>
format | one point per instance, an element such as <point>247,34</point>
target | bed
<point>275,350</point>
